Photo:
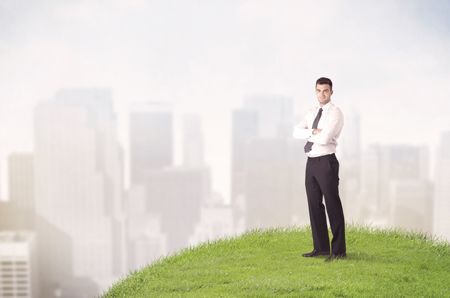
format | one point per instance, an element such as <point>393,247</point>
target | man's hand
<point>316,131</point>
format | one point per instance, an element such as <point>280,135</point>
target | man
<point>321,127</point>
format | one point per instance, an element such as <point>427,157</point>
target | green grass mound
<point>267,263</point>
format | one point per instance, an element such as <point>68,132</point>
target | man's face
<point>323,93</point>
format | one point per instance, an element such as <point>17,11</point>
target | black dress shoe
<point>316,253</point>
<point>333,257</point>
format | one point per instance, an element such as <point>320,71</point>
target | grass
<point>268,263</point>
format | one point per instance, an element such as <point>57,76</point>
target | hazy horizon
<point>388,61</point>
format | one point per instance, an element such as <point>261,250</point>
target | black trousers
<point>322,180</point>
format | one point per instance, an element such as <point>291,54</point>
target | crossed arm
<point>320,136</point>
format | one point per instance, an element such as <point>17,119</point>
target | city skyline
<point>71,187</point>
<point>207,58</point>
<point>177,150</point>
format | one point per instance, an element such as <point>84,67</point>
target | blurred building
<point>193,153</point>
<point>216,221</point>
<point>244,124</point>
<point>193,141</point>
<point>78,178</point>
<point>161,217</point>
<point>267,165</point>
<point>145,240</point>
<point>390,173</point>
<point>412,205</point>
<point>77,287</point>
<point>441,224</point>
<point>178,207</point>
<point>269,183</point>
<point>54,251</point>
<point>21,179</point>
<point>151,139</point>
<point>53,247</point>
<point>18,264</point>
<point>350,157</point>
<point>274,114</point>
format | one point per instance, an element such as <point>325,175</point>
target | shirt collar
<point>326,106</point>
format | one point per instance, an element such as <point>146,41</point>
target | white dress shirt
<point>331,123</point>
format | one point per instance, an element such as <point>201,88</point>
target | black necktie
<point>308,145</point>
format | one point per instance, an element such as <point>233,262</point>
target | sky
<point>389,62</point>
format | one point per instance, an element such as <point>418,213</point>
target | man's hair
<point>323,81</point>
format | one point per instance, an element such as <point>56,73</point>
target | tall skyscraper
<point>151,137</point>
<point>262,159</point>
<point>441,223</point>
<point>78,178</point>
<point>161,217</point>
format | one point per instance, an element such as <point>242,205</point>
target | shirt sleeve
<point>331,129</point>
<point>301,130</point>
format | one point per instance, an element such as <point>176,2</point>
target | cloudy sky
<point>389,61</point>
